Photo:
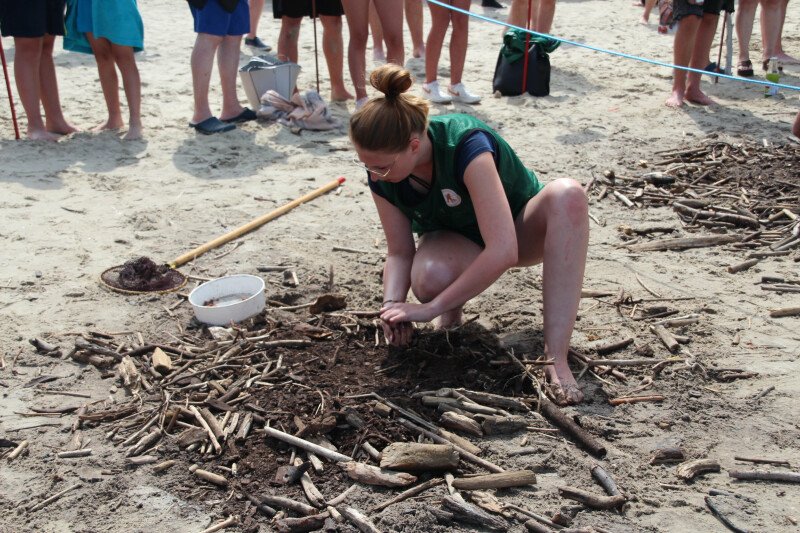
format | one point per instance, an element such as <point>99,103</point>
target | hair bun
<point>391,80</point>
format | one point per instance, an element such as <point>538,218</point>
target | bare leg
<point>391,14</point>
<point>779,52</point>
<point>648,8</point>
<point>414,21</point>
<point>518,13</point>
<point>228,65</point>
<point>459,39</point>
<point>123,56</point>
<point>376,30</point>
<point>333,47</point>
<point>770,27</point>
<point>700,58</point>
<point>440,19</point>
<point>357,14</point>
<point>745,15</point>
<point>796,126</point>
<point>48,90</point>
<point>682,54</point>
<point>28,53</point>
<point>107,72</point>
<point>554,229</point>
<point>288,37</point>
<point>256,8</point>
<point>546,13</point>
<point>535,10</point>
<point>205,47</point>
<point>442,256</point>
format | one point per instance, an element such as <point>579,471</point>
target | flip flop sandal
<point>211,126</point>
<point>745,69</point>
<point>246,115</point>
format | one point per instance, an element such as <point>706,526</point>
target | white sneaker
<point>460,94</point>
<point>432,93</point>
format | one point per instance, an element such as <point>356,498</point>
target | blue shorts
<point>214,20</point>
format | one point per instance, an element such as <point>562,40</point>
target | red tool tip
<point>340,179</point>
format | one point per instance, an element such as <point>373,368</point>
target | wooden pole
<point>316,50</point>
<point>250,226</point>
<point>527,44</point>
<point>8,88</point>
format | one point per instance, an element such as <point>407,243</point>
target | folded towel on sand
<point>118,21</point>
<point>305,111</point>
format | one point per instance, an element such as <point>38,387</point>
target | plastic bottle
<point>773,76</point>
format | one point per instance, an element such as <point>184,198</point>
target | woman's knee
<point>429,278</point>
<point>568,200</point>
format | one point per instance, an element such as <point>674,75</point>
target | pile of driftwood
<point>747,194</point>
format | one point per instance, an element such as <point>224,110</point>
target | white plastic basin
<point>230,299</point>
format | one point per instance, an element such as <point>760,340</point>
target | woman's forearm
<point>397,277</point>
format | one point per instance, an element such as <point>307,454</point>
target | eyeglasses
<point>378,171</point>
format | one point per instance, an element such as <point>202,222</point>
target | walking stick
<point>527,44</point>
<point>721,40</point>
<point>316,52</point>
<point>8,88</point>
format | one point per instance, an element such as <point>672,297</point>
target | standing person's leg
<point>782,56</point>
<point>107,72</point>
<point>357,14</point>
<point>228,66</point>
<point>682,54</point>
<point>459,39</point>
<point>770,28</point>
<point>544,19</point>
<point>376,30</point>
<point>700,58</point>
<point>648,8</point>
<point>48,90</point>
<point>517,14</point>
<point>205,47</point>
<point>288,37</point>
<point>553,229</point>
<point>440,20</point>
<point>413,10</point>
<point>745,16</point>
<point>125,60</point>
<point>535,10</point>
<point>333,48</point>
<point>256,8</point>
<point>796,126</point>
<point>391,14</point>
<point>27,56</point>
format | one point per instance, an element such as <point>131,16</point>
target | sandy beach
<point>91,201</point>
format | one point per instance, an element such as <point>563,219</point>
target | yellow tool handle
<point>253,224</point>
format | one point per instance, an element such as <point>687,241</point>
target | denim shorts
<point>214,20</point>
<point>681,8</point>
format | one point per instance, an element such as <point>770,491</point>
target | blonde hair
<point>385,124</point>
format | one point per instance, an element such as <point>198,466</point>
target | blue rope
<point>612,52</point>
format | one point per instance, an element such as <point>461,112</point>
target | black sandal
<point>745,69</point>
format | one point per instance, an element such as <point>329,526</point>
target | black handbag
<point>508,75</point>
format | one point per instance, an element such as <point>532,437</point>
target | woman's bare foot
<point>340,94</point>
<point>675,99</point>
<point>112,124</point>
<point>696,96</point>
<point>786,59</point>
<point>562,384</point>
<point>449,319</point>
<point>61,127</point>
<point>644,21</point>
<point>42,135</point>
<point>134,133</point>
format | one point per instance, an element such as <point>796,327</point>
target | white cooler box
<point>266,72</point>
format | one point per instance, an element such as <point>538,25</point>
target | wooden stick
<point>683,243</point>
<point>784,311</point>
<point>467,456</point>
<point>53,498</point>
<point>716,512</point>
<point>72,454</point>
<point>557,417</point>
<point>18,450</point>
<point>595,501</point>
<point>228,522</point>
<point>250,226</point>
<point>759,460</point>
<point>333,502</point>
<point>413,491</point>
<point>517,478</point>
<point>288,503</point>
<point>305,445</point>
<point>204,424</point>
<point>211,477</point>
<point>761,475</point>
<point>415,456</point>
<point>690,469</point>
<point>605,480</point>
<point>744,265</point>
<point>636,399</point>
<point>666,338</point>
<point>356,518</point>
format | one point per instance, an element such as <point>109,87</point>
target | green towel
<point>514,44</point>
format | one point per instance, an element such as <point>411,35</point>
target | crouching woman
<point>478,211</point>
